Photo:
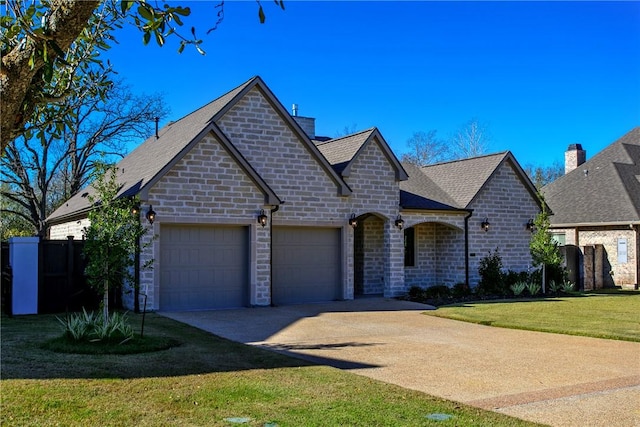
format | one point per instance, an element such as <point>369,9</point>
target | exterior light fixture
<point>529,225</point>
<point>400,222</point>
<point>151,215</point>
<point>353,221</point>
<point>135,210</point>
<point>485,224</point>
<point>262,218</point>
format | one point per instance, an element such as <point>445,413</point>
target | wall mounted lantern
<point>399,222</point>
<point>135,210</point>
<point>262,218</point>
<point>151,215</point>
<point>485,224</point>
<point>353,222</point>
<point>530,225</point>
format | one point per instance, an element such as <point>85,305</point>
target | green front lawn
<point>204,381</point>
<point>599,315</point>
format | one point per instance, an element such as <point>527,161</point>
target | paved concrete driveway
<point>549,378</point>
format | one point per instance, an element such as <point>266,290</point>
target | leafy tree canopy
<point>43,45</point>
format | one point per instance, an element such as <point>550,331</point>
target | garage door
<point>306,265</point>
<point>203,268</point>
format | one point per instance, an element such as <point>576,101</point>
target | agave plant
<point>533,288</point>
<point>518,287</point>
<point>567,286</point>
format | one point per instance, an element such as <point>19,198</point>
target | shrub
<point>518,288</point>
<point>511,277</point>
<point>555,287</point>
<point>437,292</point>
<point>534,288</point>
<point>460,290</point>
<point>567,286</point>
<point>92,327</point>
<point>491,277</point>
<point>416,293</point>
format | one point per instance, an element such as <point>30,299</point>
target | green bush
<point>460,290</point>
<point>491,276</point>
<point>437,292</point>
<point>567,287</point>
<point>534,288</point>
<point>416,293</point>
<point>91,327</point>
<point>511,277</point>
<point>518,288</point>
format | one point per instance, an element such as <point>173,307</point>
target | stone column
<point>394,260</point>
<point>589,252</point>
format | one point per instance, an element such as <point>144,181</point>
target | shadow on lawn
<point>199,352</point>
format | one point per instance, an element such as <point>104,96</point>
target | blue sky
<point>540,75</point>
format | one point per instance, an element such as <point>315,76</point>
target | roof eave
<point>596,224</point>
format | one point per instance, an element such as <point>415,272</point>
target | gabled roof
<point>145,165</point>
<point>420,192</point>
<point>609,191</point>
<point>456,184</point>
<point>341,152</point>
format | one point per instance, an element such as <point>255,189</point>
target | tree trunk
<point>20,83</point>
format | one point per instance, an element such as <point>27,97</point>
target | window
<point>622,251</point>
<point>559,238</point>
<point>409,247</point>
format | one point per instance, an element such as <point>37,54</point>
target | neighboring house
<point>334,211</point>
<point>596,213</point>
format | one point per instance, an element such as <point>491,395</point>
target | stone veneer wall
<point>376,190</point>
<point>439,250</point>
<point>507,204</point>
<point>207,187</point>
<point>373,256</point>
<point>450,266</point>
<point>615,274</point>
<point>72,228</point>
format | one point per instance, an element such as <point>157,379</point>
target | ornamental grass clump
<point>567,287</point>
<point>533,288</point>
<point>92,327</point>
<point>518,288</point>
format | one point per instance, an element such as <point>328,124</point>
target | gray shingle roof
<point>142,165</point>
<point>463,179</point>
<point>454,185</point>
<point>608,193</point>
<point>420,192</point>
<point>340,151</point>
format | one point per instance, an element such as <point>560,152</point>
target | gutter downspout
<point>273,210</point>
<point>466,249</point>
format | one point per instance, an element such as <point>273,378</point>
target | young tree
<point>426,148</point>
<point>38,39</point>
<point>544,249</point>
<point>112,237</point>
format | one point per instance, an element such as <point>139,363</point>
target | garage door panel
<point>306,264</point>
<point>203,267</point>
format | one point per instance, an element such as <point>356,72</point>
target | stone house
<point>252,209</point>
<point>596,213</point>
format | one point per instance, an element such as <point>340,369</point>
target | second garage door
<point>306,265</point>
<point>203,267</point>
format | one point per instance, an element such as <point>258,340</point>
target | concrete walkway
<point>553,379</point>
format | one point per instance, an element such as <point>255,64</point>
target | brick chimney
<point>308,124</point>
<point>574,157</point>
